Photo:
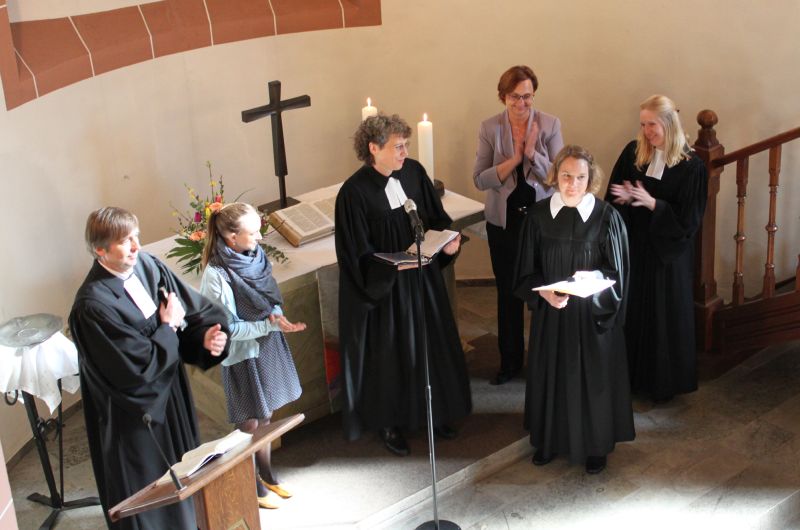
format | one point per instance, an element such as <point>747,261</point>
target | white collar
<point>395,193</point>
<point>585,207</point>
<point>656,167</point>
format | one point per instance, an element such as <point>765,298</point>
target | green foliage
<point>193,226</point>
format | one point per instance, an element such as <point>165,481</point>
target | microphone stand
<point>175,480</point>
<point>436,524</point>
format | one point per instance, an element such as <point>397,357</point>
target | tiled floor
<point>723,457</point>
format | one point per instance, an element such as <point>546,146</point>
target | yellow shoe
<point>270,501</point>
<point>282,492</point>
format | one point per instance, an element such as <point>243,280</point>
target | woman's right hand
<point>555,300</point>
<point>622,192</point>
<point>285,325</point>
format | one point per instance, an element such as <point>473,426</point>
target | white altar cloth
<point>316,254</point>
<point>36,369</point>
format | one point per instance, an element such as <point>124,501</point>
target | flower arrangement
<point>193,226</point>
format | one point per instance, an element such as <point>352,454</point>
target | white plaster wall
<point>133,137</point>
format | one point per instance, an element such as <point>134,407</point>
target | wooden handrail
<point>707,301</point>
<point>757,147</point>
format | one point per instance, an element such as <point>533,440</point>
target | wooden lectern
<point>224,490</point>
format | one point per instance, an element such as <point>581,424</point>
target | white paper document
<point>582,287</point>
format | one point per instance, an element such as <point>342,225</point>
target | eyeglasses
<point>527,98</point>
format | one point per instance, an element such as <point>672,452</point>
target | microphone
<point>416,223</point>
<point>147,419</point>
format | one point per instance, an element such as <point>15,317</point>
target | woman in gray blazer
<point>515,152</point>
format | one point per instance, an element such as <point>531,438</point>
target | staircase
<point>729,332</point>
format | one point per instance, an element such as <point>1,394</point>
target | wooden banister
<point>713,154</point>
<point>750,150</point>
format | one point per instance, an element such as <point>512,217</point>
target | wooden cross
<point>274,109</point>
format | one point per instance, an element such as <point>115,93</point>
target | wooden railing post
<point>742,174</point>
<point>774,176</point>
<point>706,300</point>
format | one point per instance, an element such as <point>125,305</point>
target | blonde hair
<point>676,146</point>
<point>224,222</point>
<point>579,153</point>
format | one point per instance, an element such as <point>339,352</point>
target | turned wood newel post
<point>706,301</point>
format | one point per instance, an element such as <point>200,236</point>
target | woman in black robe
<point>577,400</point>
<point>659,187</point>
<point>379,304</point>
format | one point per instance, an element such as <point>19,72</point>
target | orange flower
<point>215,206</point>
<point>197,235</point>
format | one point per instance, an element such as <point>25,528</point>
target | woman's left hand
<point>641,197</point>
<point>452,247</point>
<point>285,325</point>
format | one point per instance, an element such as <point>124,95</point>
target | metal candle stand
<point>23,332</point>
<point>39,428</point>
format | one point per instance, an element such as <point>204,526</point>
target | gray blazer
<point>496,146</point>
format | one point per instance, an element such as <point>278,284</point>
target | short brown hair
<point>579,153</point>
<point>377,130</point>
<point>108,225</point>
<point>514,76</point>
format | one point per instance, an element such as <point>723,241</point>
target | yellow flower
<point>213,183</point>
<point>208,212</point>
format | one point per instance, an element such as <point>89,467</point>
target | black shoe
<point>595,464</point>
<point>503,377</point>
<point>394,441</point>
<point>540,460</point>
<point>445,431</point>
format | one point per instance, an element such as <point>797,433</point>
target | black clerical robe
<point>577,398</point>
<point>129,366</point>
<point>379,308</point>
<point>660,332</point>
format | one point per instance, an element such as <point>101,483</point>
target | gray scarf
<point>252,283</point>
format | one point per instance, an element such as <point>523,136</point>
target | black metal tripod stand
<point>39,427</point>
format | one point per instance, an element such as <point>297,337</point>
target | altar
<point>309,282</point>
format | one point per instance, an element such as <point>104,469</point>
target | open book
<point>305,221</point>
<point>399,258</point>
<point>195,459</point>
<point>435,240</point>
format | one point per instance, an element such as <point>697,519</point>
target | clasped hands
<point>525,145</point>
<point>635,195</point>
<point>171,312</point>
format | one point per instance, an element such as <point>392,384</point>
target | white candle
<point>368,111</point>
<point>425,139</point>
